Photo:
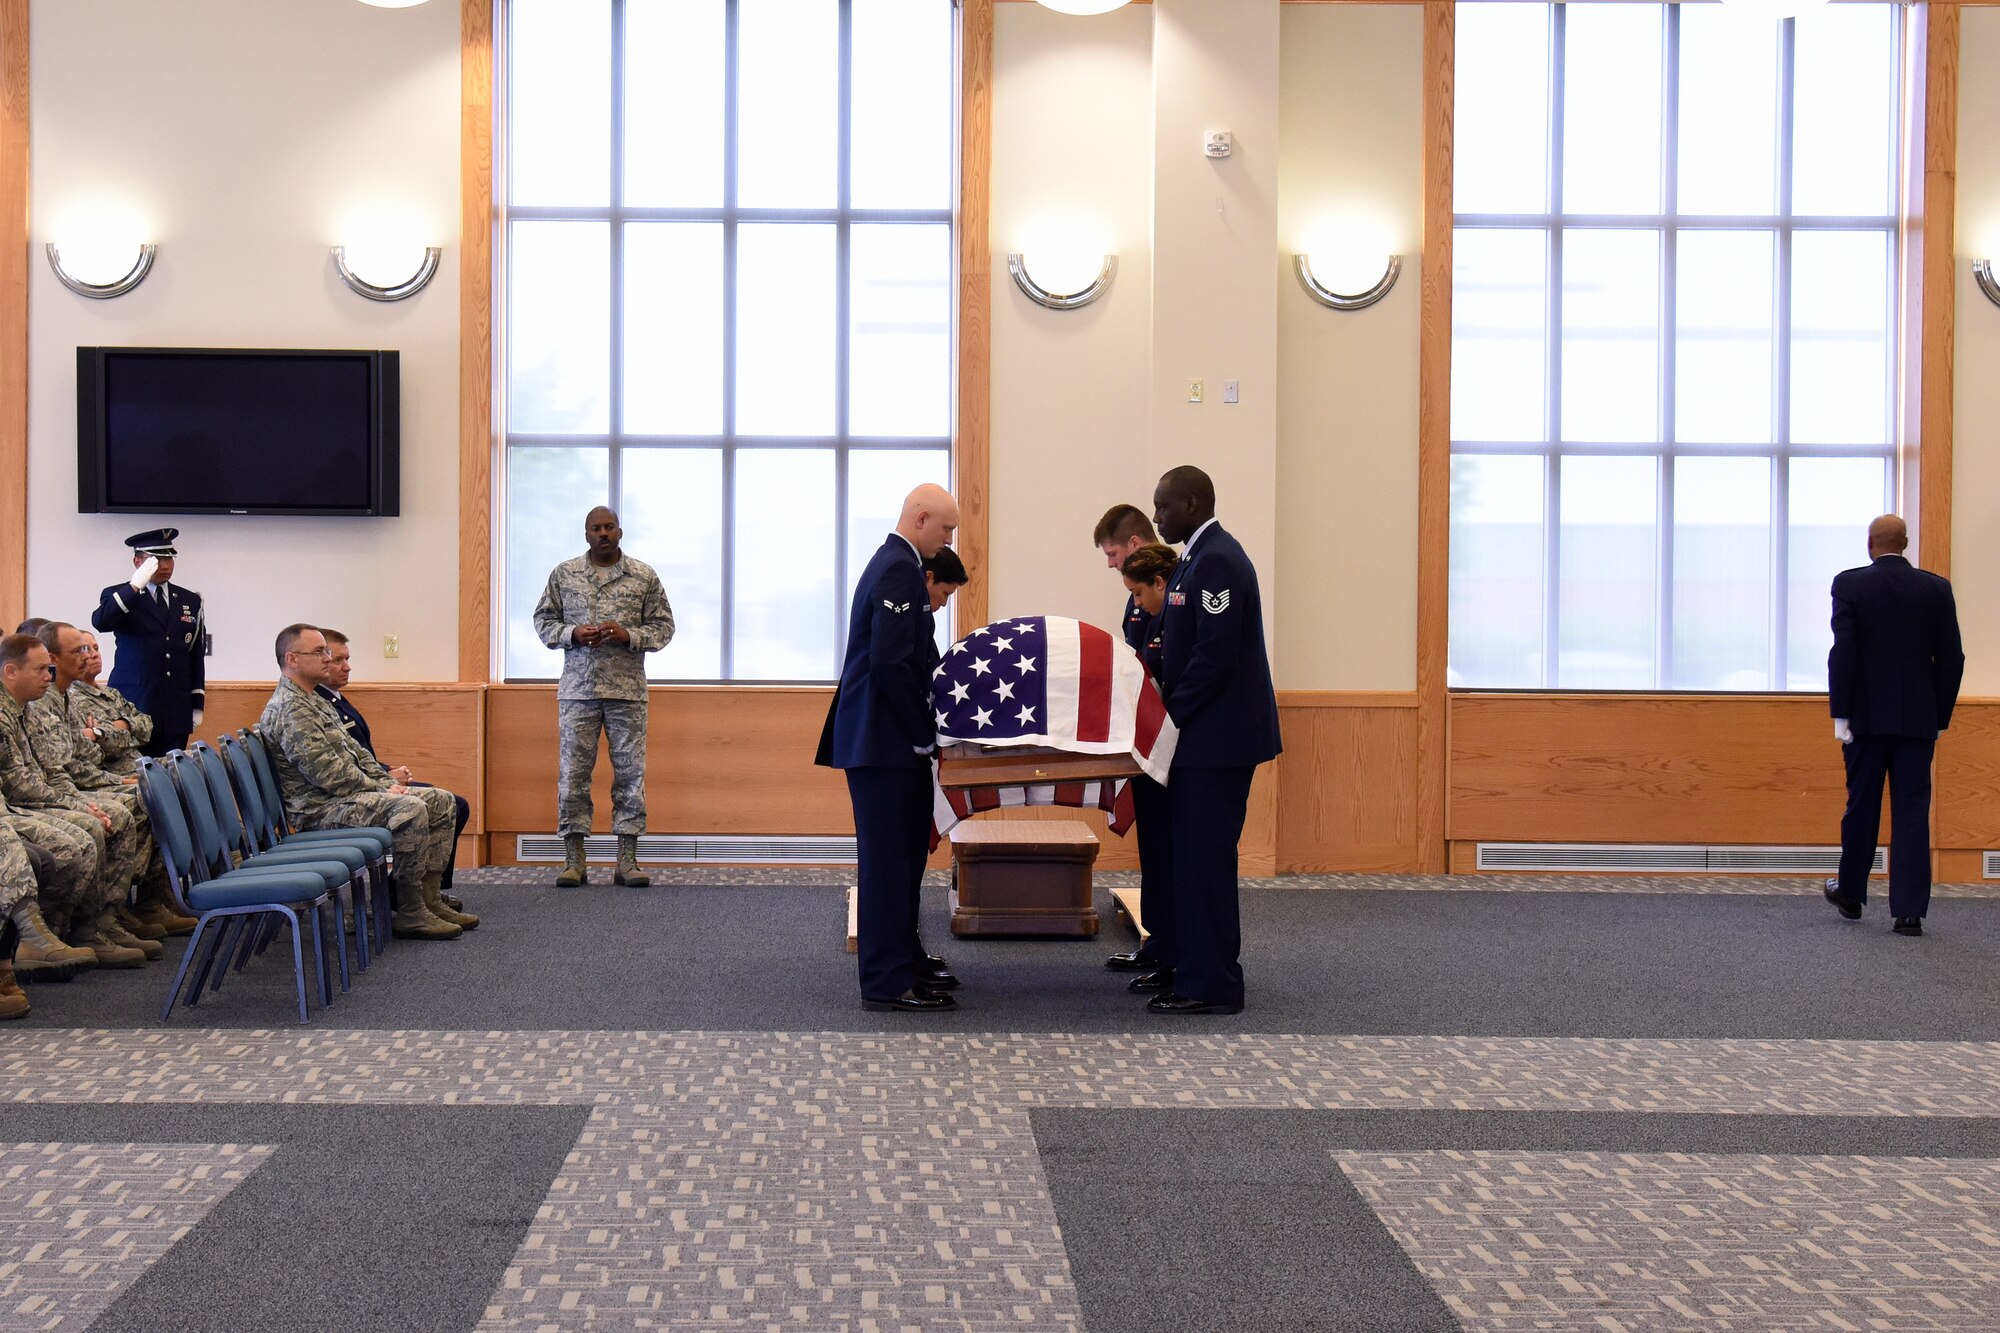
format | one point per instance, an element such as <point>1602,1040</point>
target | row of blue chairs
<point>235,863</point>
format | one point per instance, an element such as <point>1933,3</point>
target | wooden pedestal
<point>1022,877</point>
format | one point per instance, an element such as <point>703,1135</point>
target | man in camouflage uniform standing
<point>606,611</point>
<point>117,857</point>
<point>328,781</point>
<point>112,722</point>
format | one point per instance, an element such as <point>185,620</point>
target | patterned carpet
<point>1199,1177</point>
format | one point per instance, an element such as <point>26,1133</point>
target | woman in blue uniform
<point>1147,572</point>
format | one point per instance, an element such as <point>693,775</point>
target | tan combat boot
<point>133,924</point>
<point>41,955</point>
<point>629,873</point>
<point>413,920</point>
<point>574,871</point>
<point>95,936</point>
<point>117,934</point>
<point>13,1000</point>
<point>434,903</point>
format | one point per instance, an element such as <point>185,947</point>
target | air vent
<point>1668,858</point>
<point>694,849</point>
<point>1990,865</point>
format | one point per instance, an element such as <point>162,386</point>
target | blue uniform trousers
<point>1207,807</point>
<point>892,825</point>
<point>1905,761</point>
<point>1156,868</point>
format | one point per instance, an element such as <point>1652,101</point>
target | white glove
<point>1842,732</point>
<point>144,573</point>
<point>197,719</point>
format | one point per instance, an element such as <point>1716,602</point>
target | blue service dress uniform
<point>1150,809</point>
<point>1217,685</point>
<point>879,731</point>
<point>162,641</point>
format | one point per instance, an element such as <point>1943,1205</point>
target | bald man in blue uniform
<point>162,641</point>
<point>881,731</point>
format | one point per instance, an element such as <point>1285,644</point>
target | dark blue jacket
<point>1896,659</point>
<point>1137,623</point>
<point>161,651</point>
<point>1218,676</point>
<point>350,717</point>
<point>882,711</point>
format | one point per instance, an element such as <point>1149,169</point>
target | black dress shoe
<point>938,979</point>
<point>1136,961</point>
<point>932,960</point>
<point>1908,925</point>
<point>454,903</point>
<point>1171,1003</point>
<point>1162,981</point>
<point>1851,911</point>
<point>913,1001</point>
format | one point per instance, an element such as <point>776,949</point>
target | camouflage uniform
<point>31,787</point>
<point>55,729</point>
<point>329,781</point>
<point>117,748</point>
<point>17,875</point>
<point>604,686</point>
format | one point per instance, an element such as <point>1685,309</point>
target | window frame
<point>1784,225</point>
<point>617,215</point>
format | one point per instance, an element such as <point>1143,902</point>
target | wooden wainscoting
<point>1967,786</point>
<point>719,759</point>
<point>1644,768</point>
<point>1347,789</point>
<point>439,730</point>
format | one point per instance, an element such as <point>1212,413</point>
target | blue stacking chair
<point>338,868</point>
<point>262,831</point>
<point>278,827</point>
<point>226,899</point>
<point>239,850</point>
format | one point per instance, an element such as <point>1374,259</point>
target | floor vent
<point>1669,858</point>
<point>1990,865</point>
<point>694,849</point>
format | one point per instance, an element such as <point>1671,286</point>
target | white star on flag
<point>1026,714</point>
<point>960,692</point>
<point>979,666</point>
<point>942,720</point>
<point>982,717</point>
<point>1002,645</point>
<point>1006,689</point>
<point>958,647</point>
<point>1024,628</point>
<point>1025,665</point>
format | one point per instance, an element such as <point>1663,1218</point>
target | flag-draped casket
<point>1048,683</point>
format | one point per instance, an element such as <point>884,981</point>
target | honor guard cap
<point>158,542</point>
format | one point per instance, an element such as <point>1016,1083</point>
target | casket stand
<point>1025,877</point>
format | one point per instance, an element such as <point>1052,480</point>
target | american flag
<point>1047,680</point>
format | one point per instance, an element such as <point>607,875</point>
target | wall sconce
<point>1080,6</point>
<point>403,290</point>
<point>1017,266</point>
<point>103,291</point>
<point>1982,273</point>
<point>1333,300</point>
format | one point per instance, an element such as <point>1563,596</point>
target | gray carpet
<point>1148,1259</point>
<point>1473,963</point>
<point>366,1217</point>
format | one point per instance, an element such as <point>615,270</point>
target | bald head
<point>929,518</point>
<point>1888,535</point>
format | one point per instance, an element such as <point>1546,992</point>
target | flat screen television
<point>219,430</point>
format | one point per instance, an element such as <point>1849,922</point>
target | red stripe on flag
<point>985,798</point>
<point>1093,686</point>
<point>1069,794</point>
<point>1123,812</point>
<point>1152,715</point>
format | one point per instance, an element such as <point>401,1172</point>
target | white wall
<point>247,135</point>
<point>1072,153</point>
<point>1975,489</point>
<point>1351,160</point>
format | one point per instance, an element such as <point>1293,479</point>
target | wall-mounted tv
<point>218,430</point>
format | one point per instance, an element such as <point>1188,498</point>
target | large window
<point>1673,350</point>
<point>728,312</point>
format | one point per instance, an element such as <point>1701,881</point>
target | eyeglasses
<point>310,652</point>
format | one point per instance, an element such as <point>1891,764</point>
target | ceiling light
<point>1083,6</point>
<point>393,4</point>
